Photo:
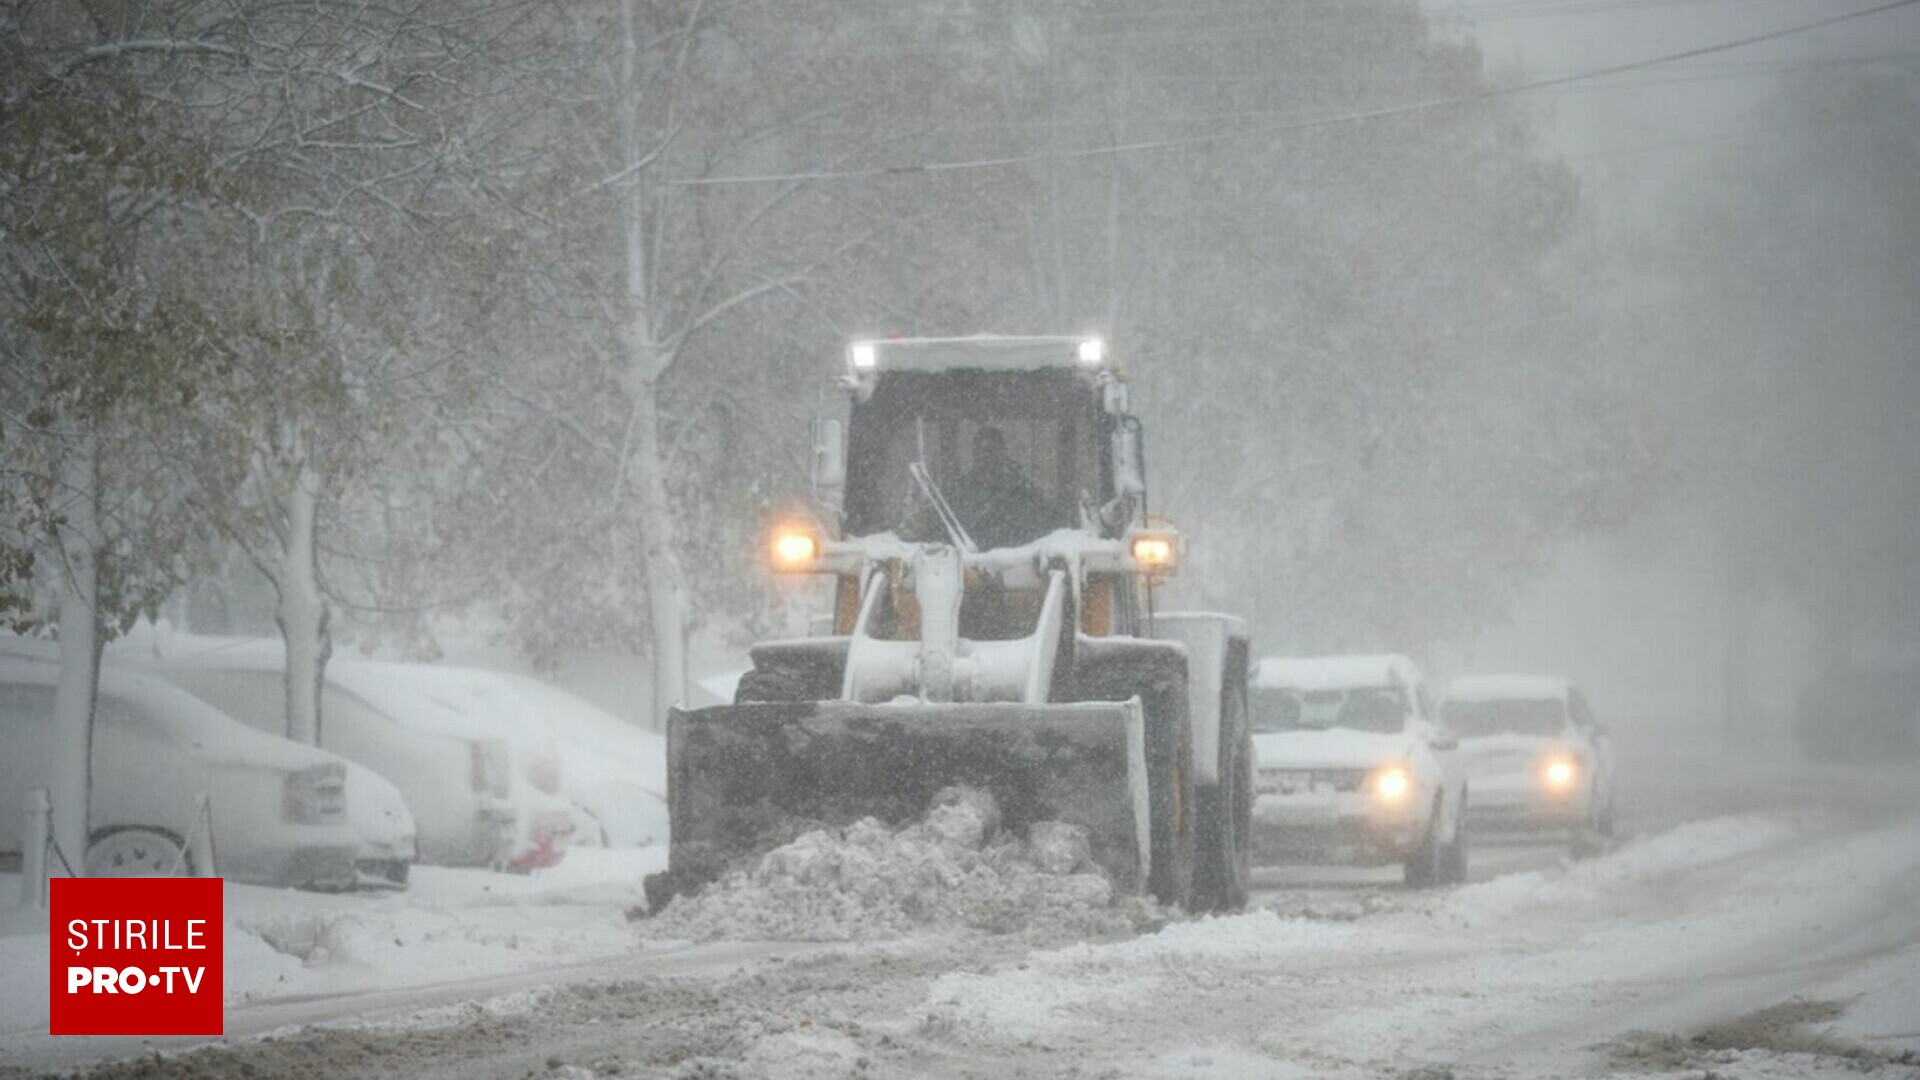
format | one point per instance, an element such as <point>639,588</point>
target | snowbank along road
<point>1763,921</point>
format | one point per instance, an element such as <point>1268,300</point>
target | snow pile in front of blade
<point>955,869</point>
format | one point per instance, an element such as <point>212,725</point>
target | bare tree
<point>94,161</point>
<point>357,143</point>
<point>638,280</point>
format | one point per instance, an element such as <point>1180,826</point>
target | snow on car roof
<point>181,716</point>
<point>462,702</point>
<point>420,697</point>
<point>580,724</point>
<point>428,697</point>
<point>1507,687</point>
<point>1334,672</point>
<point>232,653</point>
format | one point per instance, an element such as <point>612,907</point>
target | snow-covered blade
<point>744,779</point>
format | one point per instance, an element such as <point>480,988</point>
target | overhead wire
<point>1385,112</point>
<point>1678,74</point>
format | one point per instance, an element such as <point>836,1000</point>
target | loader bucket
<point>743,779</point>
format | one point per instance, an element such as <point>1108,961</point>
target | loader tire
<point>1224,872</point>
<point>1225,866</point>
<point>1170,788</point>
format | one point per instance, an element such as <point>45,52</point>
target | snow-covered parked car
<point>483,792</point>
<point>282,813</point>
<point>1535,753</point>
<point>1355,767</point>
<point>615,773</point>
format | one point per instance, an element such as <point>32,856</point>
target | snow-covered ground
<point>1709,922</point>
<point>451,924</point>
<point>1764,923</point>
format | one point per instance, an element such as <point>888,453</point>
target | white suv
<point>1536,755</point>
<point>1356,767</point>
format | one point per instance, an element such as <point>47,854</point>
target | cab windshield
<point>1013,454</point>
<point>1522,716</point>
<point>1361,708</point>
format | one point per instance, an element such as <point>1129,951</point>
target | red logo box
<point>136,956</point>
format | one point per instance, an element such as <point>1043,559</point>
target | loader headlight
<point>1559,773</point>
<point>795,547</point>
<point>863,355</point>
<point>1391,784</point>
<point>1092,352</point>
<point>1156,552</point>
<point>1153,550</point>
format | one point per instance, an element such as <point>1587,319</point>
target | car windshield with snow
<point>1518,716</point>
<point>1359,708</point>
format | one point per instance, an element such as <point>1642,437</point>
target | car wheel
<point>1453,866</point>
<point>1226,854</point>
<point>1590,837</point>
<point>1425,866</point>
<point>133,851</point>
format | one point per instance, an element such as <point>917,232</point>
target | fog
<point>1451,354</point>
<point>422,425</point>
<point>1653,151</point>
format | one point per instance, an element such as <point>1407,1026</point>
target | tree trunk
<point>79,604</point>
<point>664,607</point>
<point>302,612</point>
<point>644,365</point>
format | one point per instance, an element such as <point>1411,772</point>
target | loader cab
<point>1056,411</point>
<point>1056,455</point>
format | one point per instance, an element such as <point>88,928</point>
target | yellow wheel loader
<point>983,518</point>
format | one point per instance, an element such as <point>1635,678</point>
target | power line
<point>1678,74</point>
<point>1499,12</point>
<point>1278,129</point>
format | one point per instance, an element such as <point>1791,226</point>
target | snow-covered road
<point>1764,922</point>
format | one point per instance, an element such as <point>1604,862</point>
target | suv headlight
<point>1559,772</point>
<point>1391,784</point>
